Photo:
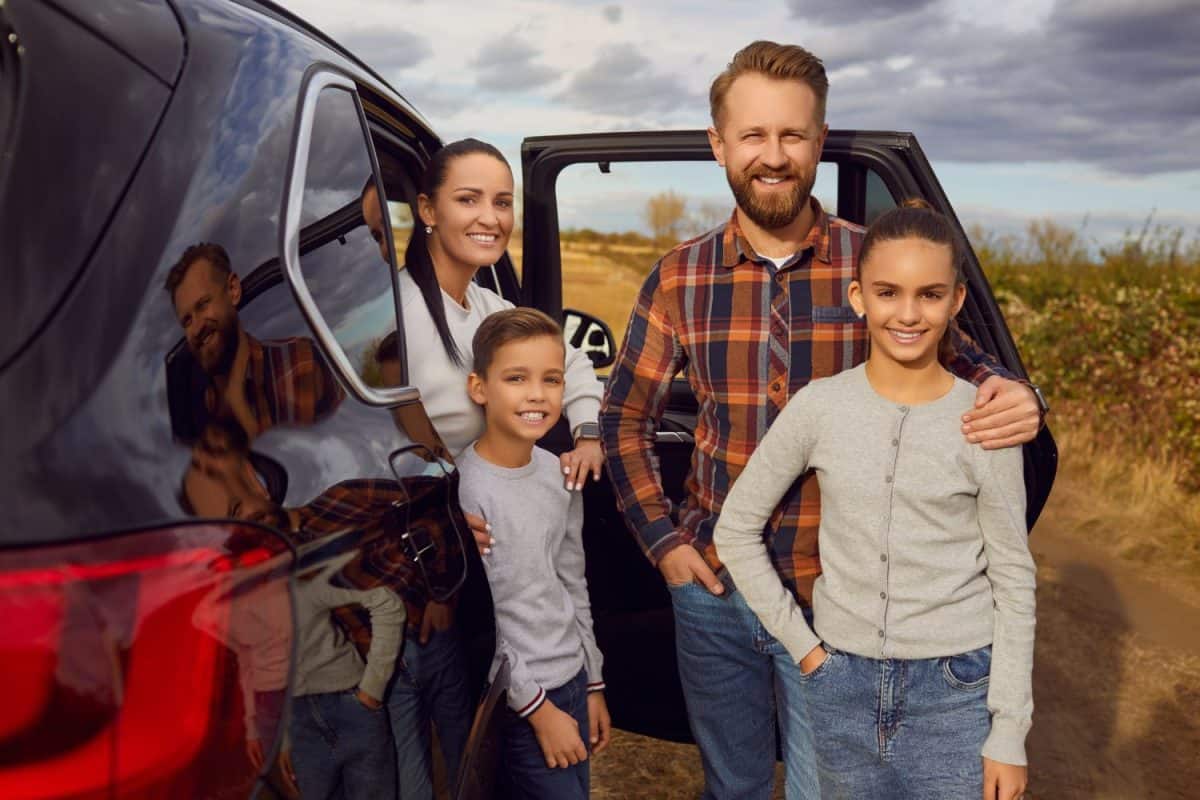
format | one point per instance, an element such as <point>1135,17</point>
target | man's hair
<point>506,327</point>
<point>782,62</point>
<point>214,254</point>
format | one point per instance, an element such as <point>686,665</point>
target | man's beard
<point>777,210</point>
<point>220,360</point>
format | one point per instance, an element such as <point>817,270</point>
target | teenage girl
<point>918,677</point>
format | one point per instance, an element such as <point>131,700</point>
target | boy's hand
<point>587,456</point>
<point>438,617</point>
<point>599,721</point>
<point>1006,413</point>
<point>558,734</point>
<point>1003,781</point>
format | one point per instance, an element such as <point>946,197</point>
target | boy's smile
<point>522,391</point>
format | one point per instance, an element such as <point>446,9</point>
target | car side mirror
<point>591,335</point>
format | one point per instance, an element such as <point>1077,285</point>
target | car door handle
<point>674,437</point>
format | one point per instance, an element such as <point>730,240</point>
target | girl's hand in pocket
<point>813,659</point>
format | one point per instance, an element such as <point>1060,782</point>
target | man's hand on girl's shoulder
<point>1006,414</point>
<point>558,734</point>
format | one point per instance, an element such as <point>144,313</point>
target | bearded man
<point>256,384</point>
<point>752,311</point>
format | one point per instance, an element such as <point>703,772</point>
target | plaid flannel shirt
<point>287,383</point>
<point>366,505</point>
<point>747,335</point>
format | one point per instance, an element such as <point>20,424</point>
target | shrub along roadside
<point>1114,339</point>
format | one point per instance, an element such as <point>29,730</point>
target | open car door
<point>862,174</point>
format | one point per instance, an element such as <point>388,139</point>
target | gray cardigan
<point>924,549</point>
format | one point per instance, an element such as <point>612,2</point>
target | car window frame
<point>319,77</point>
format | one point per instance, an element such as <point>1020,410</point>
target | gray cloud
<point>612,13</point>
<point>1099,82</point>
<point>623,81</point>
<point>388,51</point>
<point>853,11</point>
<point>507,65</point>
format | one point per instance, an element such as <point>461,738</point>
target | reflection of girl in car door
<point>918,679</point>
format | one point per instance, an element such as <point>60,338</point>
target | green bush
<point>1113,338</point>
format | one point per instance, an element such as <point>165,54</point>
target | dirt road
<point>1116,688</point>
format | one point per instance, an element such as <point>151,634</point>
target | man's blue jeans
<point>341,748</point>
<point>429,685</point>
<point>737,679</point>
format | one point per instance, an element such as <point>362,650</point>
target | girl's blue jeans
<point>899,728</point>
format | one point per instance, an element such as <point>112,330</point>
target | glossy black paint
<point>86,431</point>
<point>146,31</point>
<point>74,90</point>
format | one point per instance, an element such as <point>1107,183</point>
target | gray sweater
<point>536,572</point>
<point>326,660</point>
<point>924,549</point>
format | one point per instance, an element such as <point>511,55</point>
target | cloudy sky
<point>1083,111</point>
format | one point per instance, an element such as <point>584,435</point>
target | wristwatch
<point>1043,406</point>
<point>586,430</point>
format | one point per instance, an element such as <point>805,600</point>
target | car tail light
<point>127,662</point>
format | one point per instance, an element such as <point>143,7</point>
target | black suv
<point>163,539</point>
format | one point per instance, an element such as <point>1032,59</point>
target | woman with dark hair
<point>465,208</point>
<point>466,217</point>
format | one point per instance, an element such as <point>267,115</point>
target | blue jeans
<point>339,742</point>
<point>529,777</point>
<point>429,685</point>
<point>735,678</point>
<point>900,728</point>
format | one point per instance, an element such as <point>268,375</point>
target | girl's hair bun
<point>916,202</point>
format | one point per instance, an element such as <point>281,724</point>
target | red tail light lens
<point>138,665</point>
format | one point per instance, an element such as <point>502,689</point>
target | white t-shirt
<point>443,385</point>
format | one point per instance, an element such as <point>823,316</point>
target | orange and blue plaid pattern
<point>747,335</point>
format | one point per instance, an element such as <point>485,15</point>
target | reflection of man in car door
<point>259,384</point>
<point>753,311</point>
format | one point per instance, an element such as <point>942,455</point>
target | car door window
<point>617,220</point>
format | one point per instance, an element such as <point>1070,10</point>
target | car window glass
<point>879,197</point>
<point>346,269</point>
<point>614,226</point>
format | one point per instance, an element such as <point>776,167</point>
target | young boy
<point>543,616</point>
